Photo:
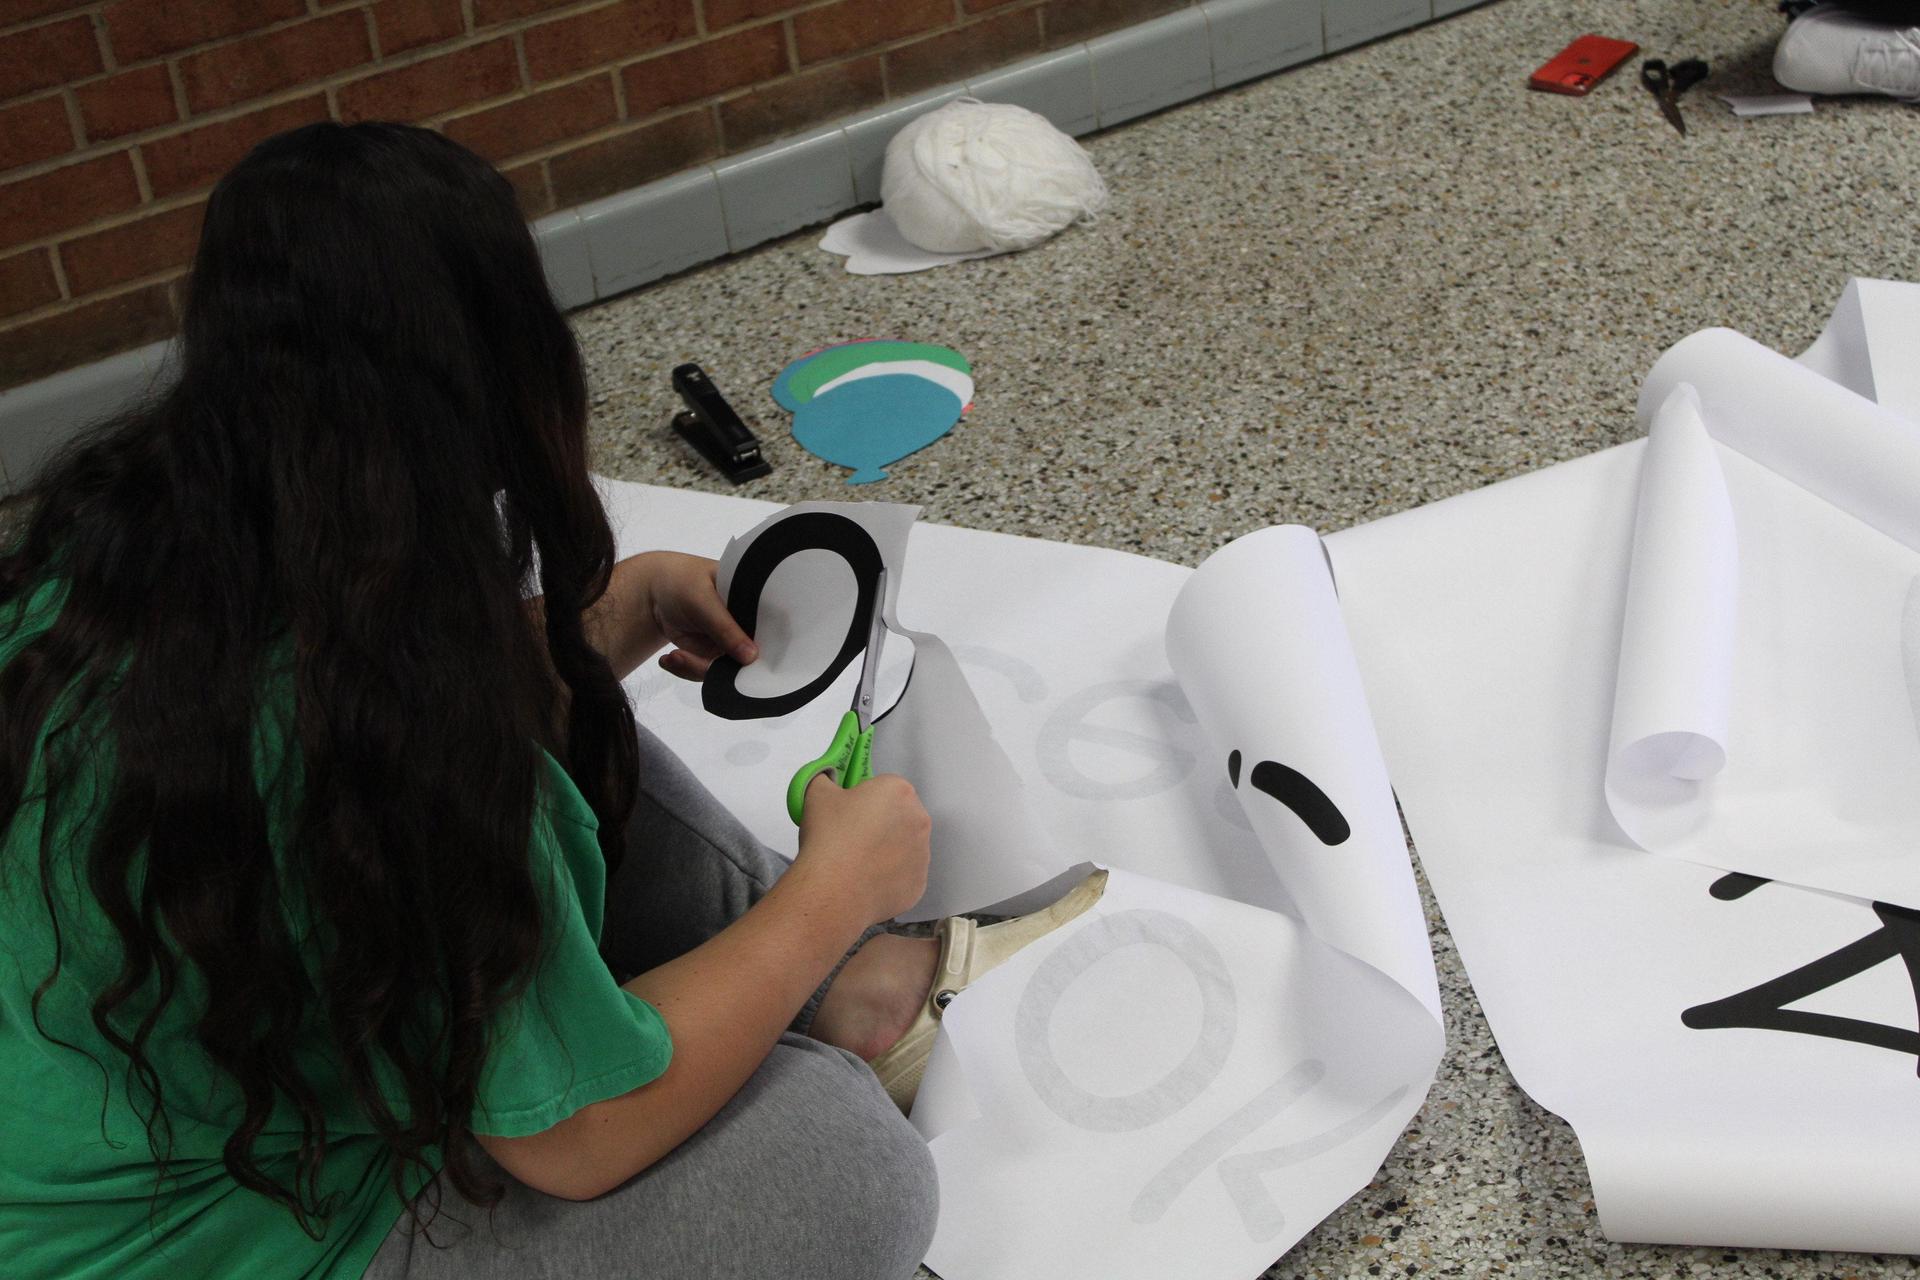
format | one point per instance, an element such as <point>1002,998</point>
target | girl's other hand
<point>686,611</point>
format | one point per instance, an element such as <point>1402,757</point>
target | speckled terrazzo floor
<point>1336,293</point>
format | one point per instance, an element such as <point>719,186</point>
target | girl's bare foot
<point>877,995</point>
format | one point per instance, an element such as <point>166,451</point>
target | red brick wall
<point>116,116</point>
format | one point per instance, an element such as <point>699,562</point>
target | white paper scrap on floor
<point>1706,647</point>
<point>1186,1079</point>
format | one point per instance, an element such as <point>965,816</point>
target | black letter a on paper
<point>1762,1007</point>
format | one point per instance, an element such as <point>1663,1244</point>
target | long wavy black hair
<point>377,436</point>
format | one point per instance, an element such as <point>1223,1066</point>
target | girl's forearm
<point>725,1002</point>
<point>620,623</point>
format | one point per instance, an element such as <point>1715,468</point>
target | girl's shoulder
<point>559,796</point>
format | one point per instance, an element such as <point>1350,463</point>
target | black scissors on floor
<point>1666,84</point>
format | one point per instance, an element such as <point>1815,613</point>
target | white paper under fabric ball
<point>986,175</point>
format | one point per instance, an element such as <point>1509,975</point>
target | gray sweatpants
<point>808,1173</point>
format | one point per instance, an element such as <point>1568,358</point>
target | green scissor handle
<point>849,759</point>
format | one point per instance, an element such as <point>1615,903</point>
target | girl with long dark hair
<point>348,924</point>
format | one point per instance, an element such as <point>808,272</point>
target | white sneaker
<point>1829,50</point>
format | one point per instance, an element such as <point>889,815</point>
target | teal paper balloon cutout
<point>871,423</point>
<point>801,380</point>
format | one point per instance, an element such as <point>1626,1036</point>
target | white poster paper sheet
<point>1737,1056</point>
<point>1186,1079</point>
<point>1762,714</point>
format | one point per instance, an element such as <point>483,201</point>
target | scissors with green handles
<point>849,758</point>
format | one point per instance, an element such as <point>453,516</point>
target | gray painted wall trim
<point>37,418</point>
<point>635,237</point>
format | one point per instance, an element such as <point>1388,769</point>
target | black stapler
<point>710,425</point>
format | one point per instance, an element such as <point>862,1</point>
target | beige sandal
<point>968,950</point>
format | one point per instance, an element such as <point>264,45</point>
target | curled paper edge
<point>1751,399</point>
<point>945,1100</point>
<point>1241,678</point>
<point>1867,345</point>
<point>1859,455</point>
<point>1673,693</point>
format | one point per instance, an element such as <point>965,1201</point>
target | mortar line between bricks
<point>54,310</point>
<point>114,222</point>
<point>48,19</point>
<point>140,180</point>
<point>60,275</point>
<point>75,124</point>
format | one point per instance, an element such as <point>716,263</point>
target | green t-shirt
<point>77,1178</point>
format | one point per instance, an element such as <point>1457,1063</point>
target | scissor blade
<point>870,660</point>
<point>1671,110</point>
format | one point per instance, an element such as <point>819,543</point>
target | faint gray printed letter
<point>1243,1176</point>
<point>1219,1018</point>
<point>1170,764</point>
<point>1028,684</point>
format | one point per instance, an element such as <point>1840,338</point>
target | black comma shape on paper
<point>1762,1007</point>
<point>1296,791</point>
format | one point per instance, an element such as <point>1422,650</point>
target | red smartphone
<point>1582,65</point>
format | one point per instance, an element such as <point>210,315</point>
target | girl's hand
<point>870,841</point>
<point>682,606</point>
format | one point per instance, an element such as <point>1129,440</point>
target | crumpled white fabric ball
<point>986,175</point>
